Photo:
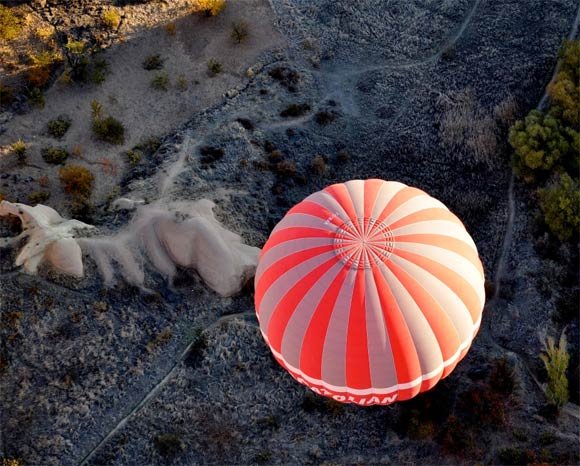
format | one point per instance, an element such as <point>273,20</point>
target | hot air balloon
<point>369,292</point>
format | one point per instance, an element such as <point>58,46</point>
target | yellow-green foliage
<point>560,204</point>
<point>77,181</point>
<point>556,359</point>
<point>19,150</point>
<point>564,92</point>
<point>10,24</point>
<point>209,7</point>
<point>76,47</point>
<point>111,19</point>
<point>539,143</point>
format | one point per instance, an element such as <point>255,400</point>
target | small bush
<point>160,82</point>
<point>77,181</point>
<point>560,204</point>
<point>107,129</point>
<point>556,359</point>
<point>295,110</point>
<point>19,150</point>
<point>209,7</point>
<point>287,77</point>
<point>182,83</point>
<point>54,155</point>
<point>111,19</point>
<point>171,29</point>
<point>318,165</point>
<point>168,445</point>
<point>153,62</point>
<point>517,456</point>
<point>10,24</point>
<point>455,436</point>
<point>214,67</point>
<point>133,157</point>
<point>324,117</point>
<point>38,197</point>
<point>36,97</point>
<point>58,127</point>
<point>342,156</point>
<point>210,154</point>
<point>246,123</point>
<point>564,92</point>
<point>240,31</point>
<point>285,168</point>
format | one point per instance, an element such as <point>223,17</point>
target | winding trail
<point>157,388</point>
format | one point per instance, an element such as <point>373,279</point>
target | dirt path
<point>157,388</point>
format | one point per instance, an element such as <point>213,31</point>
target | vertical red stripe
<point>315,336</point>
<point>287,305</point>
<point>358,372</point>
<point>407,363</point>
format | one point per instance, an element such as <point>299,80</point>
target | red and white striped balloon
<point>369,291</point>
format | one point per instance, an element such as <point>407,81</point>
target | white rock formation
<point>50,238</point>
<point>184,234</point>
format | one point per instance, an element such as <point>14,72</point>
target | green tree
<point>540,143</point>
<point>560,205</point>
<point>564,91</point>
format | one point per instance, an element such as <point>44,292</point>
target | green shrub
<point>556,359</point>
<point>502,377</point>
<point>153,62</point>
<point>160,82</point>
<point>55,155</point>
<point>133,156</point>
<point>540,144</point>
<point>6,95</point>
<point>106,129</point>
<point>77,182</point>
<point>58,127</point>
<point>19,150</point>
<point>240,31</point>
<point>560,204</point>
<point>10,24</point>
<point>564,91</point>
<point>38,197</point>
<point>214,67</point>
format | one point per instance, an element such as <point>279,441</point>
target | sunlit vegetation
<point>556,359</point>
<point>106,128</point>
<point>19,148</point>
<point>547,147</point>
<point>111,19</point>
<point>77,182</point>
<point>10,24</point>
<point>209,7</point>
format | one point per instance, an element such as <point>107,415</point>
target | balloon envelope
<point>369,291</point>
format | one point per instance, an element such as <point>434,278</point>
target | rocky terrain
<point>322,92</point>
